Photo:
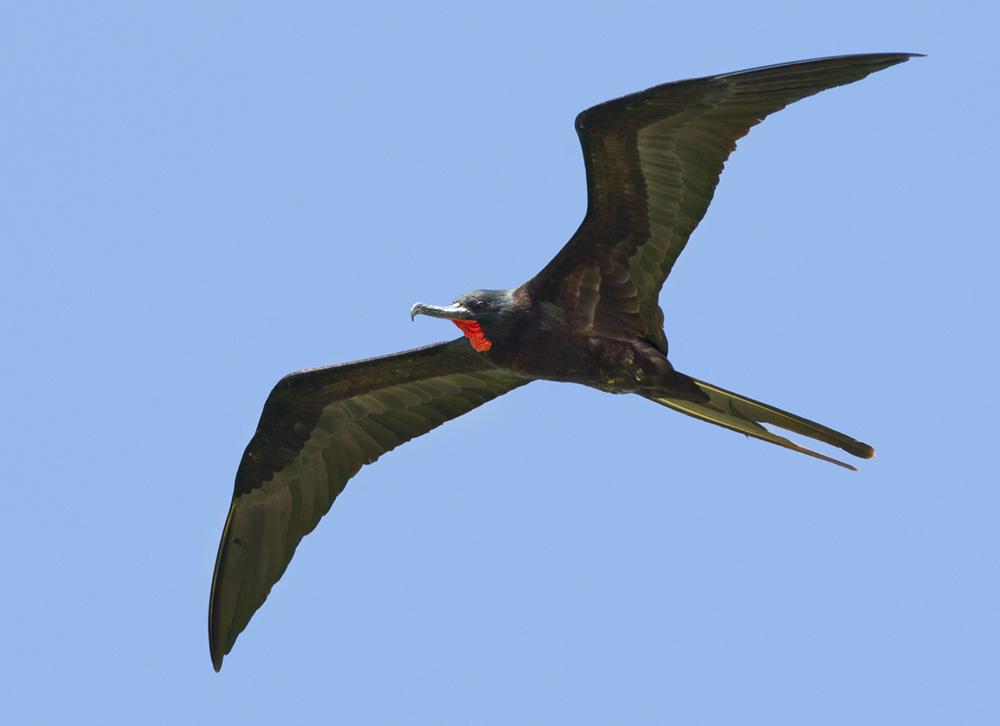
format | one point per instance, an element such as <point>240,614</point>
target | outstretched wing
<point>318,428</point>
<point>653,161</point>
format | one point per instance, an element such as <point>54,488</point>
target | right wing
<point>653,160</point>
<point>317,429</point>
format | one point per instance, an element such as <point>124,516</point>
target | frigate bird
<point>591,316</point>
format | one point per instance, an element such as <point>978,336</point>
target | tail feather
<point>746,416</point>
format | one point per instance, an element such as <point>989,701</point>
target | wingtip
<point>885,60</point>
<point>903,57</point>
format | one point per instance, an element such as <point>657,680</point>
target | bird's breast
<point>617,366</point>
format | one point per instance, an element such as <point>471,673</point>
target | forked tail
<point>747,416</point>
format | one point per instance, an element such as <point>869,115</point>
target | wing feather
<point>317,429</point>
<point>653,161</point>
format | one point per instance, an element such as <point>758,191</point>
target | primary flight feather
<point>591,316</point>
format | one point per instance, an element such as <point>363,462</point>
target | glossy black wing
<point>318,428</point>
<point>653,160</point>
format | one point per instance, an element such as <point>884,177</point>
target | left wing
<point>318,428</point>
<point>653,160</point>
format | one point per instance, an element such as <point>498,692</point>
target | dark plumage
<point>591,316</point>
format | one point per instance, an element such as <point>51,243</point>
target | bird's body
<point>537,342</point>
<point>591,316</point>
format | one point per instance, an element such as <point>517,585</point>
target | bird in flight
<point>591,316</point>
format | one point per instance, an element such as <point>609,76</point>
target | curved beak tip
<point>415,310</point>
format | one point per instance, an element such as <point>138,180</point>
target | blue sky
<point>196,198</point>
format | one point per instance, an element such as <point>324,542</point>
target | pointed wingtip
<point>215,651</point>
<point>903,57</point>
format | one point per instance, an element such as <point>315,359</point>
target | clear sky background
<point>196,198</point>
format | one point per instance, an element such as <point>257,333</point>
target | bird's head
<point>482,315</point>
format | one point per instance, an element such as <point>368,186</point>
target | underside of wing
<point>653,161</point>
<point>317,429</point>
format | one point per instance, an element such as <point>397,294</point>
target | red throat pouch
<point>475,334</point>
